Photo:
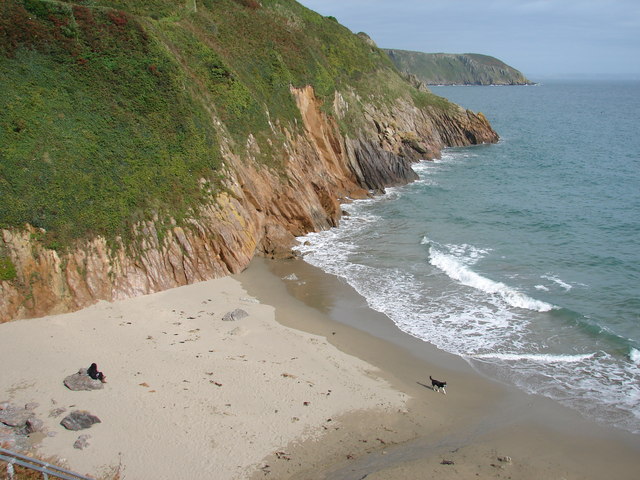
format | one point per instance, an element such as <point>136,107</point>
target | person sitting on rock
<point>95,374</point>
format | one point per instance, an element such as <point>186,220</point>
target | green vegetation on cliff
<point>7,268</point>
<point>97,130</point>
<point>113,112</point>
<point>456,69</point>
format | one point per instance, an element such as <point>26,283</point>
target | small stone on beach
<point>237,314</point>
<point>56,412</point>
<point>82,442</point>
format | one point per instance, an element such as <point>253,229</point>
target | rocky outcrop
<point>261,211</point>
<point>378,168</point>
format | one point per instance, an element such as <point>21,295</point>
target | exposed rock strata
<point>261,213</point>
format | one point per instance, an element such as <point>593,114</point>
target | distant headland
<point>456,69</point>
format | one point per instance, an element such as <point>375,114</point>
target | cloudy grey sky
<point>541,38</point>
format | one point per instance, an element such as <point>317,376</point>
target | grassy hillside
<point>456,69</point>
<point>109,108</point>
<point>97,129</point>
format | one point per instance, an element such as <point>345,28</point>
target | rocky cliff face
<point>261,211</point>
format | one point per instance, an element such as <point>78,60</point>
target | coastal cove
<point>520,257</point>
<point>238,242</point>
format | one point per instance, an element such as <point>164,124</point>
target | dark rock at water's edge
<point>81,381</point>
<point>79,420</point>
<point>381,168</point>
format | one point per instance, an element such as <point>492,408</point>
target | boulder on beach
<point>79,420</point>
<point>17,423</point>
<point>82,381</point>
<point>22,419</point>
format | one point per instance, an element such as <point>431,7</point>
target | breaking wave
<point>540,358</point>
<point>457,270</point>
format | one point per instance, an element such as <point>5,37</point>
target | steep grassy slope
<point>146,145</point>
<point>97,128</point>
<point>107,109</point>
<point>456,69</point>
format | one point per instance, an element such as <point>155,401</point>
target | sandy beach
<point>310,384</point>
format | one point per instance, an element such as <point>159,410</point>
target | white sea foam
<point>540,358</point>
<point>634,356</point>
<point>557,281</point>
<point>427,172</point>
<point>456,270</point>
<point>465,253</point>
<point>542,288</point>
<point>468,254</point>
<point>448,320</point>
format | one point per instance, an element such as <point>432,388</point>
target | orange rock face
<point>260,213</point>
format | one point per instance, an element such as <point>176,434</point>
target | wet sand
<point>479,429</point>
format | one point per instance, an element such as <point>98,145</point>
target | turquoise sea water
<point>523,257</point>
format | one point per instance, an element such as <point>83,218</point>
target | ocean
<point>522,257</point>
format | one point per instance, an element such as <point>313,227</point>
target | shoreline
<point>312,384</point>
<point>487,419</point>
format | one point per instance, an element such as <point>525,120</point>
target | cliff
<point>148,147</point>
<point>456,69</point>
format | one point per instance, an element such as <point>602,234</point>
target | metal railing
<point>13,458</point>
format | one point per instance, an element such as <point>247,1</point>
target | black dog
<point>438,385</point>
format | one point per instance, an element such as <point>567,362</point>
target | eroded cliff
<point>333,149</point>
<point>262,213</point>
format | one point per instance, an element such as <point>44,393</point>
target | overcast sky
<point>541,38</point>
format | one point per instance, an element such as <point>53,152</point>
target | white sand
<point>187,394</point>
